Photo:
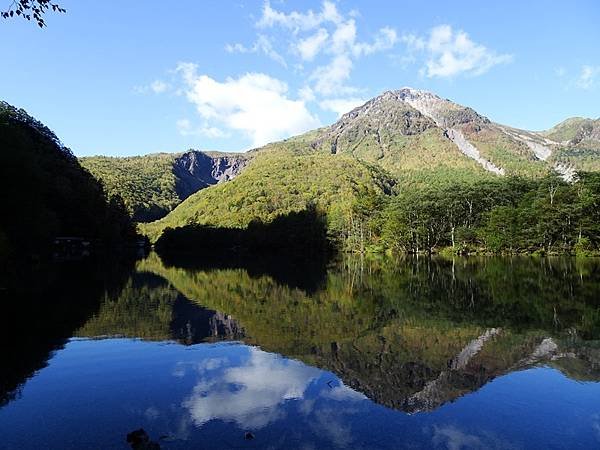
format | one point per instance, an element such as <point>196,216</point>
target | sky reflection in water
<point>472,386</point>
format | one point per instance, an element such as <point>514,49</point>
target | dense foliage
<point>366,210</point>
<point>147,184</point>
<point>501,216</point>
<point>278,182</point>
<point>46,193</point>
<point>302,231</point>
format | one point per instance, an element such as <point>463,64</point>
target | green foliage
<point>279,181</point>
<point>573,130</point>
<point>586,159</point>
<point>147,184</point>
<point>513,156</point>
<point>141,310</point>
<point>440,215</point>
<point>302,231</point>
<point>32,9</point>
<point>497,215</point>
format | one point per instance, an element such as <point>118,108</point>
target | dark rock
<point>139,440</point>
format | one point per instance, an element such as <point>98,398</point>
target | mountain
<point>405,138</point>
<point>153,185</point>
<point>401,141</point>
<point>281,178</point>
<point>46,192</point>
<point>576,131</point>
<point>411,132</point>
<point>577,141</point>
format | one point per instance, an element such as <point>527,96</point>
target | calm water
<point>416,353</point>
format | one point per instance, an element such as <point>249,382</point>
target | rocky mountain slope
<point>391,127</point>
<point>153,185</point>
<point>408,138</point>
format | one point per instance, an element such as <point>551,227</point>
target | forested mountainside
<point>46,193</point>
<point>152,185</point>
<point>412,171</point>
<point>407,170</point>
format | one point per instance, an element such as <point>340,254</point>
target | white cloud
<point>157,87</point>
<point>452,438</point>
<point>255,104</point>
<point>341,106</point>
<point>185,128</point>
<point>327,33</point>
<point>309,47</point>
<point>263,384</point>
<point>262,45</point>
<point>306,93</point>
<point>450,53</point>
<point>385,39</point>
<point>330,79</point>
<point>342,393</point>
<point>320,46</point>
<point>298,21</point>
<point>236,48</point>
<point>587,77</point>
<point>344,37</point>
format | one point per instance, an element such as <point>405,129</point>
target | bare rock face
<point>372,129</point>
<point>378,121</point>
<point>589,131</point>
<point>443,112</point>
<point>196,170</point>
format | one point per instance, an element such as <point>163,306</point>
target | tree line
<point>512,215</point>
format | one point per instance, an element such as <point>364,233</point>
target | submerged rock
<point>139,440</point>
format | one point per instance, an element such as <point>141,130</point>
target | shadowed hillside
<point>55,195</point>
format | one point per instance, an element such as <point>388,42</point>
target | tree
<point>32,9</point>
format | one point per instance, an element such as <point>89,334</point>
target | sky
<point>118,77</point>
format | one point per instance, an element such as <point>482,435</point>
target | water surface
<point>414,353</point>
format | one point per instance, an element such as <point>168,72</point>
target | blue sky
<point>134,77</point>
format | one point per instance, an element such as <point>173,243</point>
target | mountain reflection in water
<point>334,361</point>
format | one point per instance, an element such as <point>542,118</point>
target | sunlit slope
<point>152,185</point>
<point>412,137</point>
<point>279,180</point>
<point>577,143</point>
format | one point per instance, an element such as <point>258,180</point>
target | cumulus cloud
<point>309,47</point>
<point>452,52</point>
<point>255,104</point>
<point>159,86</point>
<point>329,34</point>
<point>385,39</point>
<point>330,79</point>
<point>588,77</point>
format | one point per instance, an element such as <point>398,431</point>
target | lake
<point>465,353</point>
